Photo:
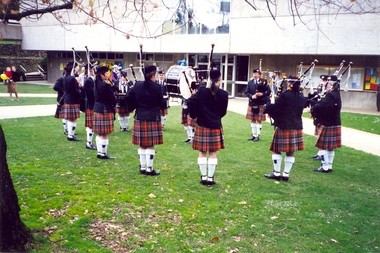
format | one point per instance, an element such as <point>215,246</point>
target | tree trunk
<point>14,235</point>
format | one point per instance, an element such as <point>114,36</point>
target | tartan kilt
<point>103,123</point>
<point>253,117</point>
<point>329,137</point>
<point>147,133</point>
<point>164,112</point>
<point>88,121</point>
<point>287,140</point>
<point>207,139</point>
<point>58,112</point>
<point>123,111</point>
<point>191,122</point>
<point>183,118</point>
<point>71,111</point>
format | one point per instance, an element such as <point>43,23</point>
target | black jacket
<point>105,100</point>
<point>287,110</point>
<point>207,108</point>
<point>147,98</point>
<point>58,87</point>
<point>251,90</point>
<point>327,111</point>
<point>72,92</point>
<point>89,91</point>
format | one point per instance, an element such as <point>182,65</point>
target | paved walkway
<point>359,140</point>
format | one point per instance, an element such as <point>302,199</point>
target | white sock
<point>289,161</point>
<point>98,145</point>
<point>254,129</point>
<point>189,132</point>
<point>64,123</point>
<point>259,127</point>
<point>142,158</point>
<point>104,146</point>
<point>325,159</point>
<point>277,159</point>
<point>120,121</point>
<point>127,121</point>
<point>330,155</point>
<point>71,128</point>
<point>163,118</point>
<point>149,159</point>
<point>202,163</point>
<point>212,162</point>
<point>89,134</point>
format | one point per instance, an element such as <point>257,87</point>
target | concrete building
<point>243,38</point>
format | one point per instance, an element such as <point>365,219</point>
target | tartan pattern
<point>287,140</point>
<point>329,137</point>
<point>164,112</point>
<point>253,117</point>
<point>183,118</point>
<point>123,110</point>
<point>103,123</point>
<point>71,111</point>
<point>207,139</point>
<point>191,122</point>
<point>89,117</point>
<point>147,133</point>
<point>58,112</point>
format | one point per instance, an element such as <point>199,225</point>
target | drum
<point>179,80</point>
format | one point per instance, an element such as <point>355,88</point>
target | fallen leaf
<point>274,218</point>
<point>215,239</point>
<point>152,195</point>
<point>242,203</point>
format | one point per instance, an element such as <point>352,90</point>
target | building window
<point>199,17</point>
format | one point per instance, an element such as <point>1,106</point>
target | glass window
<point>371,78</point>
<point>102,55</point>
<point>351,80</point>
<point>242,68</point>
<point>111,56</point>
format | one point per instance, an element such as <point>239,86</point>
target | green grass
<point>75,202</point>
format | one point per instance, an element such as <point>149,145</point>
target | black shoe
<point>91,146</point>
<point>320,169</point>
<point>152,173</point>
<point>211,182</point>
<point>252,138</point>
<point>256,139</point>
<point>72,139</point>
<point>286,179</point>
<point>272,176</point>
<point>142,172</point>
<point>314,156</point>
<point>203,181</point>
<point>187,140</point>
<point>104,156</point>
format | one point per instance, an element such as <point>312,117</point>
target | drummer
<point>164,112</point>
<point>123,87</point>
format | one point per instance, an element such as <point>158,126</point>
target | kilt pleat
<point>58,112</point>
<point>256,116</point>
<point>191,122</point>
<point>207,139</point>
<point>103,123</point>
<point>71,111</point>
<point>329,137</point>
<point>184,118</point>
<point>287,140</point>
<point>88,122</point>
<point>147,133</point>
<point>123,111</point>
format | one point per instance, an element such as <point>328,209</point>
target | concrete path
<point>359,140</point>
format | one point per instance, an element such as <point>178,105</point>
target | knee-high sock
<point>89,134</point>
<point>259,127</point>
<point>212,162</point>
<point>289,161</point>
<point>330,155</point>
<point>202,163</point>
<point>121,121</point>
<point>163,118</point>
<point>149,159</point>
<point>98,145</point>
<point>104,145</point>
<point>325,159</point>
<point>64,123</point>
<point>277,159</point>
<point>189,132</point>
<point>71,128</point>
<point>254,129</point>
<point>142,158</point>
<point>127,120</point>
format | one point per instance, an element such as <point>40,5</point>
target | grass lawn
<point>75,202</point>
